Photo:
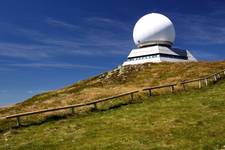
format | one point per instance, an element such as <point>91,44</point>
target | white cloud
<point>199,29</point>
<point>54,65</point>
<point>60,23</point>
<point>208,55</point>
<point>25,51</point>
<point>3,91</point>
<point>36,91</point>
<point>108,22</point>
<point>96,42</point>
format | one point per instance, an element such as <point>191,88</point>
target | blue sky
<point>48,44</point>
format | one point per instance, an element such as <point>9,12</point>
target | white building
<point>154,35</point>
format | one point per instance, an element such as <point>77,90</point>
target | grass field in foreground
<point>187,120</point>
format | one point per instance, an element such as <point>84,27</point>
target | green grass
<point>186,120</point>
<point>113,82</point>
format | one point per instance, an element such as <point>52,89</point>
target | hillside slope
<point>116,81</point>
<point>185,120</point>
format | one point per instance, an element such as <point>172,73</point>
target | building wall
<point>156,54</point>
<point>154,60</point>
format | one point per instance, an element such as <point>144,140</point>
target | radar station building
<point>154,35</point>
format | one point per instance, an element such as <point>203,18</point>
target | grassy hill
<point>185,120</point>
<point>116,81</point>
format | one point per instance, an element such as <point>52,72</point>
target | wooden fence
<point>72,107</point>
<point>206,80</point>
<point>171,86</point>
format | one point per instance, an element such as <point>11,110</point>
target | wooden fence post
<point>18,123</point>
<point>206,82</point>
<point>95,106</point>
<point>150,92</point>
<point>215,78</point>
<point>172,88</point>
<point>218,75</point>
<point>183,86</point>
<point>199,84</point>
<point>73,110</point>
<point>132,96</point>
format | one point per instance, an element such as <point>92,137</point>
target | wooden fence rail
<point>72,107</point>
<point>171,86</point>
<point>215,77</point>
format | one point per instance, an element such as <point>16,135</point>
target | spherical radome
<point>152,28</point>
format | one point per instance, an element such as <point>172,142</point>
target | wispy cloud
<point>46,46</point>
<point>200,29</point>
<point>59,23</point>
<point>32,92</point>
<point>53,48</point>
<point>55,65</point>
<point>45,50</point>
<point>208,55</point>
<point>108,22</point>
<point>3,91</point>
<point>199,32</point>
<point>25,51</point>
<point>105,21</point>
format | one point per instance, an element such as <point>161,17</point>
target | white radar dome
<point>154,29</point>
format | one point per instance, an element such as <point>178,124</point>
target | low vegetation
<point>116,81</point>
<point>185,120</point>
